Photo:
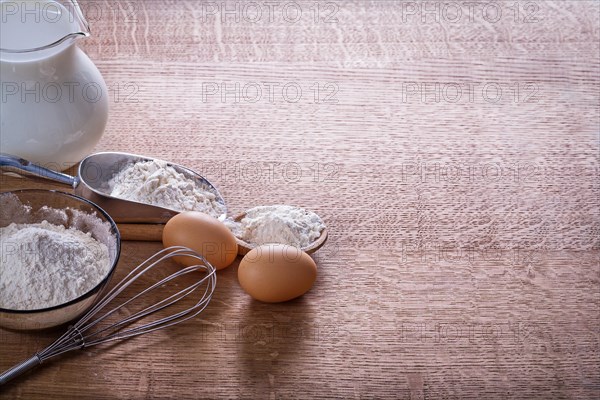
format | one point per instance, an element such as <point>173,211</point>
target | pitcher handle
<point>25,168</point>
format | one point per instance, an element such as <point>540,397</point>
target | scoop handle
<point>19,369</point>
<point>28,169</point>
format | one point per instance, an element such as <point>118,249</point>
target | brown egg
<point>276,272</point>
<point>204,234</point>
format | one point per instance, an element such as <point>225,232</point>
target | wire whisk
<point>92,329</point>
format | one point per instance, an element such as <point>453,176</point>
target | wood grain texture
<point>464,227</point>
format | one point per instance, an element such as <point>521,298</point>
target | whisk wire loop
<point>89,330</point>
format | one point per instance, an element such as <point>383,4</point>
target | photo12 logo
<point>54,12</point>
<point>469,92</point>
<point>273,171</point>
<point>419,172</point>
<point>254,12</point>
<point>461,332</point>
<point>454,12</point>
<point>51,92</point>
<point>36,12</point>
<point>67,92</point>
<point>270,92</point>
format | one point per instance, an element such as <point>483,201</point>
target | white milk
<point>54,102</point>
<point>33,24</point>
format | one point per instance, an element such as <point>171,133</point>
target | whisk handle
<point>19,369</point>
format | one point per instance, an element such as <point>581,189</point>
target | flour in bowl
<point>44,265</point>
<point>157,183</point>
<point>283,224</point>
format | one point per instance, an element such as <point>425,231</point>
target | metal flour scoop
<point>91,182</point>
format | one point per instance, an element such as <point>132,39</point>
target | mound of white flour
<point>44,265</point>
<point>157,183</point>
<point>289,225</point>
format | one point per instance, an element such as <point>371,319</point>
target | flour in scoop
<point>157,183</point>
<point>44,265</point>
<point>283,224</point>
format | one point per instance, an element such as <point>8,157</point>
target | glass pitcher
<point>54,101</point>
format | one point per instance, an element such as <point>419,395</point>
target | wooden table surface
<point>453,151</point>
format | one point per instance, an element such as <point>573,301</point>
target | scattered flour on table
<point>157,183</point>
<point>44,265</point>
<point>278,224</point>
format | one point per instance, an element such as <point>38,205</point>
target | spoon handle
<point>141,232</point>
<point>23,167</point>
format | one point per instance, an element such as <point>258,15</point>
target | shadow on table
<point>273,340</point>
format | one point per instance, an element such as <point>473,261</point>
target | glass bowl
<point>34,206</point>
